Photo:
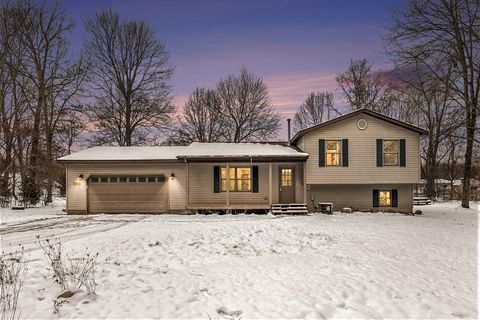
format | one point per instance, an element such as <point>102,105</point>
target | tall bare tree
<point>364,88</point>
<point>130,71</point>
<point>202,118</point>
<point>247,109</point>
<point>444,36</point>
<point>431,105</point>
<point>37,59</point>
<point>317,108</point>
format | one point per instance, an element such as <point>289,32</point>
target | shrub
<point>12,270</point>
<point>418,212</point>
<point>67,272</point>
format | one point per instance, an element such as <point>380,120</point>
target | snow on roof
<point>125,153</point>
<point>200,150</point>
<point>194,150</point>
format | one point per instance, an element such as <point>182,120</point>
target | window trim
<point>235,185</point>
<point>340,140</point>
<point>383,153</point>
<point>390,198</point>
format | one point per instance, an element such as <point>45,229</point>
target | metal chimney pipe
<point>288,128</point>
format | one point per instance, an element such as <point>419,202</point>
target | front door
<point>287,185</point>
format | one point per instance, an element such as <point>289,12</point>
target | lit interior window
<point>390,152</point>
<point>333,152</point>
<point>385,199</point>
<point>286,177</point>
<point>240,179</point>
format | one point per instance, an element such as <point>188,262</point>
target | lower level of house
<point>187,187</point>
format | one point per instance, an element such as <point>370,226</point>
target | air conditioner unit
<point>325,207</point>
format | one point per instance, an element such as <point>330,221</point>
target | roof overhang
<point>244,158</point>
<point>119,161</point>
<point>183,159</point>
<point>374,114</point>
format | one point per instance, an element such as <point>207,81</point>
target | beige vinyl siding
<point>200,179</point>
<point>359,197</point>
<point>362,153</point>
<point>201,184</point>
<point>77,195</point>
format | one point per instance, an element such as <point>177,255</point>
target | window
<point>103,179</point>
<point>333,152</point>
<point>240,179</point>
<point>113,179</point>
<point>286,177</point>
<point>93,179</point>
<point>123,179</point>
<point>142,179</point>
<point>390,152</point>
<point>385,199</point>
<point>132,179</point>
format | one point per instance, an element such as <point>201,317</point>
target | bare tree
<point>430,105</point>
<point>317,108</point>
<point>45,62</point>
<point>72,125</point>
<point>364,88</point>
<point>202,118</point>
<point>247,109</point>
<point>444,36</point>
<point>130,75</point>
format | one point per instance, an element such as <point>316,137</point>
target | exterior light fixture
<point>79,180</point>
<point>172,176</point>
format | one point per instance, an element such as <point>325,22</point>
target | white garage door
<point>127,194</point>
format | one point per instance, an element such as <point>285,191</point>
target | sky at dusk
<point>296,46</point>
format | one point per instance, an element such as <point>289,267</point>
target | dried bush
<point>68,272</point>
<point>12,269</point>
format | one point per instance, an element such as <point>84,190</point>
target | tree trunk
<point>51,170</point>
<point>33,161</point>
<point>471,119</point>
<point>430,171</point>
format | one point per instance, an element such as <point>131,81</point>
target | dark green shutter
<point>345,152</point>
<point>255,179</point>
<point>402,153</point>
<point>321,152</point>
<point>376,202</point>
<point>216,179</point>
<point>394,198</point>
<point>379,152</point>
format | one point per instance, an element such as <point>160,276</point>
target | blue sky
<point>296,46</point>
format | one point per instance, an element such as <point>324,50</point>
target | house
<point>362,160</point>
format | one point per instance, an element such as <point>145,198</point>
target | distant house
<point>362,160</point>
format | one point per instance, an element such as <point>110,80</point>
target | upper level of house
<point>362,147</point>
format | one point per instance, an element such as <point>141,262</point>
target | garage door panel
<point>128,197</point>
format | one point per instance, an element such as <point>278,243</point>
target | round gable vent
<point>362,124</point>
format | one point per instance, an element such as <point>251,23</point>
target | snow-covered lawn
<point>340,266</point>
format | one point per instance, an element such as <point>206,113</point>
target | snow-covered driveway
<point>342,266</point>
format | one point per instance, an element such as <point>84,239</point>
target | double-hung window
<point>385,198</point>
<point>240,179</point>
<point>333,152</point>
<point>391,152</point>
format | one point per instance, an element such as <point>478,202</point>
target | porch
<point>252,185</point>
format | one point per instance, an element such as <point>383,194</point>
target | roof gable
<point>374,114</point>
